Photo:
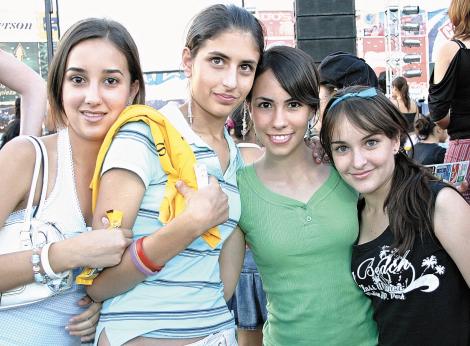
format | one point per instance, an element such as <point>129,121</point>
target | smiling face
<point>364,160</point>
<point>96,88</point>
<point>222,72</point>
<point>280,121</point>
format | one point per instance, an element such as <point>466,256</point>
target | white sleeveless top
<point>43,323</point>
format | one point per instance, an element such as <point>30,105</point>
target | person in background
<point>299,217</point>
<point>401,99</point>
<point>12,130</point>
<point>17,76</point>
<point>339,70</point>
<point>427,150</point>
<point>412,256</point>
<point>383,82</point>
<point>449,87</point>
<point>249,300</point>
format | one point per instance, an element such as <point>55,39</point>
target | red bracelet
<point>143,258</point>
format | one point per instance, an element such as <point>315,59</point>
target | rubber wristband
<point>143,258</point>
<point>47,266</point>
<point>137,263</point>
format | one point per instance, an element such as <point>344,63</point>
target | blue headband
<point>365,94</point>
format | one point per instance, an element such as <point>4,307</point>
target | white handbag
<point>32,232</point>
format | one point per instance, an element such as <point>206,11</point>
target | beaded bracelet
<point>36,261</point>
<point>47,266</point>
<point>139,246</point>
<point>137,263</point>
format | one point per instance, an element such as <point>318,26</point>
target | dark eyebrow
<point>364,138</point>
<point>337,142</point>
<point>262,98</point>
<point>81,70</point>
<point>75,69</point>
<point>226,57</point>
<point>371,135</point>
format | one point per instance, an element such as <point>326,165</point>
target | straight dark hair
<point>86,29</point>
<point>410,201</point>
<point>295,71</point>
<point>219,18</point>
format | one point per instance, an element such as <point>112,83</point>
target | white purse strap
<point>41,160</point>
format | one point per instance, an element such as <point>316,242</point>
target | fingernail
<point>66,327</point>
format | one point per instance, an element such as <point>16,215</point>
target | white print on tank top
<point>393,275</point>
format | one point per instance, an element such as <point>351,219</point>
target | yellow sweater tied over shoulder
<point>176,158</point>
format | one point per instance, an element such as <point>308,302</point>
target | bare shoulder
<point>20,152</point>
<point>448,50</point>
<point>445,199</point>
<point>17,152</point>
<point>452,228</point>
<point>451,210</point>
<point>17,159</point>
<point>251,154</point>
<point>446,53</point>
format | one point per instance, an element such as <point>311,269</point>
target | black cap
<point>344,69</point>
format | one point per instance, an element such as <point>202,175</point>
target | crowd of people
<point>362,247</point>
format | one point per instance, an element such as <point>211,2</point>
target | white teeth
<point>280,137</point>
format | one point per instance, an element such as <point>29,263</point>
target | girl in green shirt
<point>300,218</point>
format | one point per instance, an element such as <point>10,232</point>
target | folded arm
<point>204,209</point>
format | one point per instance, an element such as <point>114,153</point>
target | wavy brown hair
<point>410,201</point>
<point>459,15</point>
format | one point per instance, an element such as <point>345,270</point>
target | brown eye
<point>264,105</point>
<point>217,61</point>
<point>77,79</point>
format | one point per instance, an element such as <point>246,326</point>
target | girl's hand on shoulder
<point>318,153</point>
<point>84,325</point>
<point>207,207</point>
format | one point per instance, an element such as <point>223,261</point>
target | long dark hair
<point>402,86</point>
<point>410,201</point>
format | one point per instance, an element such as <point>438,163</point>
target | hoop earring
<point>244,123</point>
<point>310,133</point>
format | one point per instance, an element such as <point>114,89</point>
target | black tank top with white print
<point>420,297</point>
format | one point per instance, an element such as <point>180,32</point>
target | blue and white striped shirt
<point>185,299</point>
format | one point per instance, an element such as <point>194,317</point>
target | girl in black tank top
<point>412,256</point>
<point>407,107</point>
